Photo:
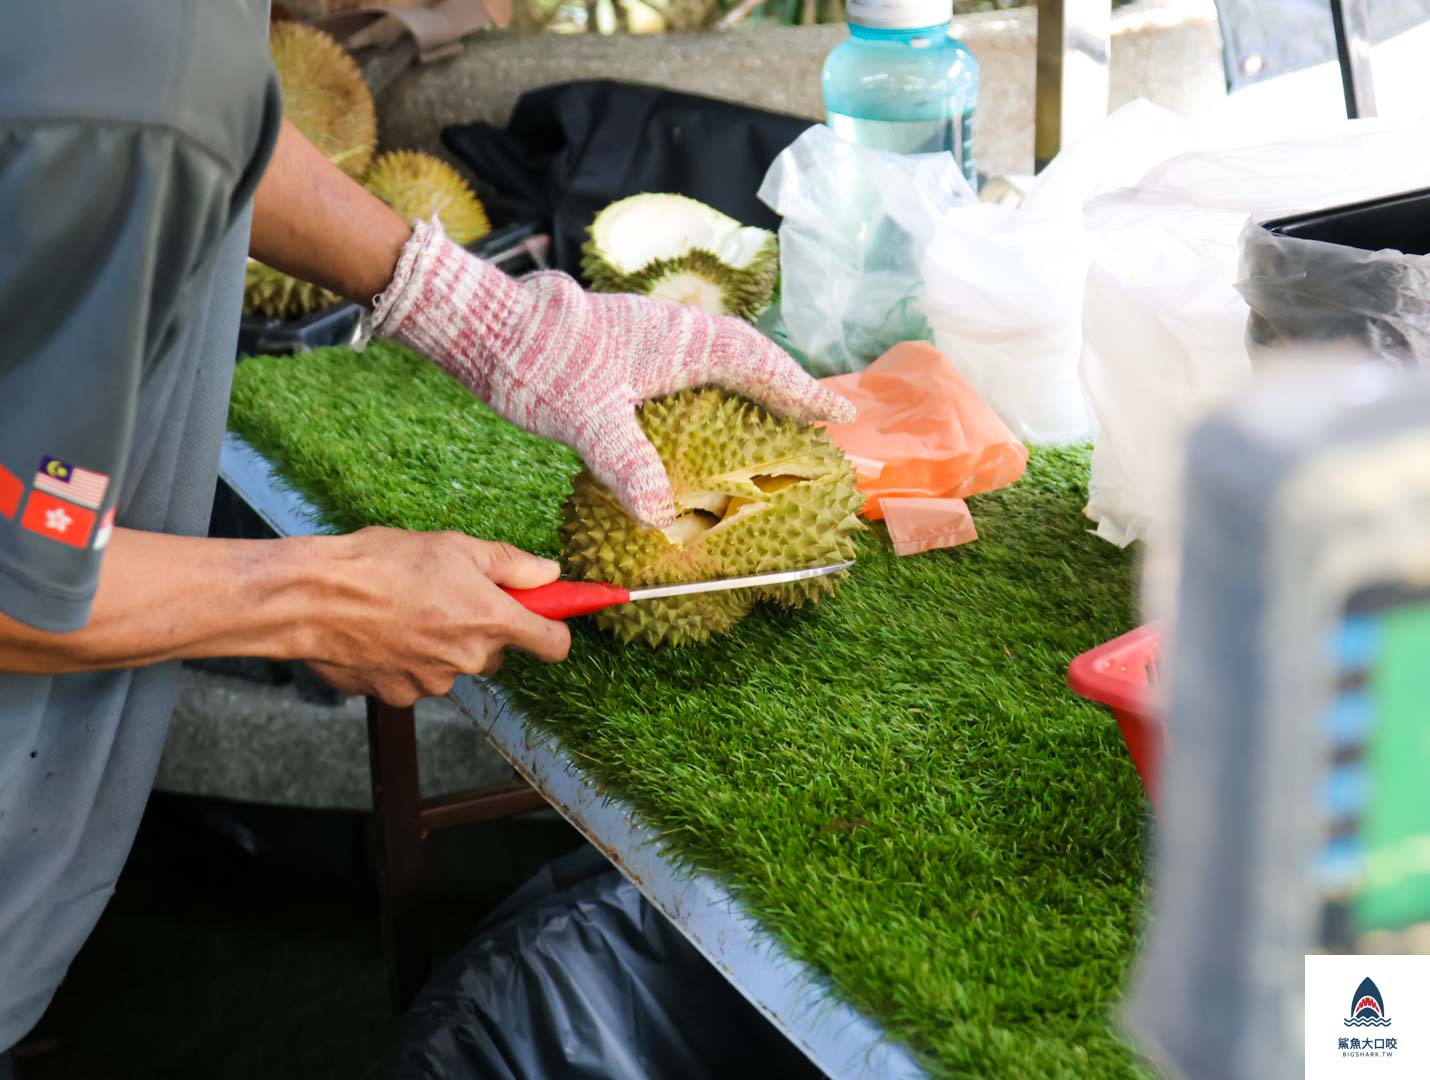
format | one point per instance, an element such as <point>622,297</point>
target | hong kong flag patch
<point>11,489</point>
<point>58,519</point>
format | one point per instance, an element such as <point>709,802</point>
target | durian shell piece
<point>325,95</point>
<point>276,295</point>
<point>745,291</point>
<point>715,445</point>
<point>418,185</point>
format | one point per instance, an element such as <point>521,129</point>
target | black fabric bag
<point>577,977</point>
<point>572,148</point>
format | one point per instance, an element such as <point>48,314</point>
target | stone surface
<point>1166,50</point>
<point>235,739</point>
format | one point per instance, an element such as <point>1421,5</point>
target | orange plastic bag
<point>917,525</point>
<point>923,432</point>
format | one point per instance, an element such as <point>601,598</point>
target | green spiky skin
<point>276,295</point>
<point>325,95</point>
<point>418,185</point>
<point>714,444</point>
<point>743,293</point>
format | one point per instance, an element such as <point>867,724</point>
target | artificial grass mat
<point>898,783</point>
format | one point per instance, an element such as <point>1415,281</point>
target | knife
<point>565,599</point>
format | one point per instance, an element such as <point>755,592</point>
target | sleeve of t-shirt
<point>102,229</point>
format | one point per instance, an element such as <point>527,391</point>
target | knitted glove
<point>573,366</point>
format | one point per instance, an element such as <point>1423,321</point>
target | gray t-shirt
<point>132,135</point>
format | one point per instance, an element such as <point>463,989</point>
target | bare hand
<point>411,611</point>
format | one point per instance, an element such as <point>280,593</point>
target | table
<point>796,999</point>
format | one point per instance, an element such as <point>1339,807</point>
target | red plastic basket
<point>1120,675</point>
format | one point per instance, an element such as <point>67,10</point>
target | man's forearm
<point>172,597</point>
<point>313,221</point>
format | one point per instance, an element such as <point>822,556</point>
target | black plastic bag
<point>572,148</point>
<point>577,976</point>
<point>1355,274</point>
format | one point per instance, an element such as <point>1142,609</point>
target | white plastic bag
<point>1164,326</point>
<point>856,222</point>
<point>1004,285</point>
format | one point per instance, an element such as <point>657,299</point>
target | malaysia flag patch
<point>10,491</point>
<point>58,520</point>
<point>105,530</point>
<point>71,482</point>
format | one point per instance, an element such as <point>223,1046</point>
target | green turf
<point>898,783</point>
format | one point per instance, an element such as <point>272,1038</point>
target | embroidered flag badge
<point>11,488</point>
<point>57,519</point>
<point>70,482</point>
<point>106,527</point>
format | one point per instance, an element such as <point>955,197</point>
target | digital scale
<point>1295,814</point>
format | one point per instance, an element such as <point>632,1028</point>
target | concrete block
<point>234,739</point>
<point>1166,50</point>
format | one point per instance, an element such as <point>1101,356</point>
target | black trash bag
<point>577,976</point>
<point>1358,275</point>
<point>571,149</point>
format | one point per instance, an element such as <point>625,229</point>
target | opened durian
<point>678,249</point>
<point>324,95</point>
<point>754,494</point>
<point>326,98</point>
<point>419,185</point>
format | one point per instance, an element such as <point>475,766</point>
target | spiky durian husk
<point>325,95</point>
<point>732,463</point>
<point>418,185</point>
<point>697,277</point>
<point>276,295</point>
<point>689,273</point>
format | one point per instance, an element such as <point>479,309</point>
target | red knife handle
<point>565,599</point>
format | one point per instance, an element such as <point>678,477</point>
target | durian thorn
<point>350,152</point>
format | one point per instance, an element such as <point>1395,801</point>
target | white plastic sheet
<point>878,248</point>
<point>1164,325</point>
<point>1004,285</point>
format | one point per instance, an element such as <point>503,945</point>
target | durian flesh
<point>754,494</point>
<point>419,185</point>
<point>681,250</point>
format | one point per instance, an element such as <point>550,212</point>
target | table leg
<point>396,805</point>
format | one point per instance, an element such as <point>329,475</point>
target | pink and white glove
<point>572,365</point>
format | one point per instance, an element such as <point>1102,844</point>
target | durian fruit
<point>327,99</point>
<point>276,295</point>
<point>678,249</point>
<point>754,494</point>
<point>419,185</point>
<point>324,95</point>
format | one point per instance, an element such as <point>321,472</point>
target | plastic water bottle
<point>901,82</point>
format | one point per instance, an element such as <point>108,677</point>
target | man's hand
<point>381,611</point>
<point>412,611</point>
<point>548,356</point>
<point>573,366</point>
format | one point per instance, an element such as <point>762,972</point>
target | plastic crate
<point>1121,674</point>
<point>1392,222</point>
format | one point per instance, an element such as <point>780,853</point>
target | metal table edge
<point>834,1035</point>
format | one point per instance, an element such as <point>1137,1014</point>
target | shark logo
<point>1367,1007</point>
